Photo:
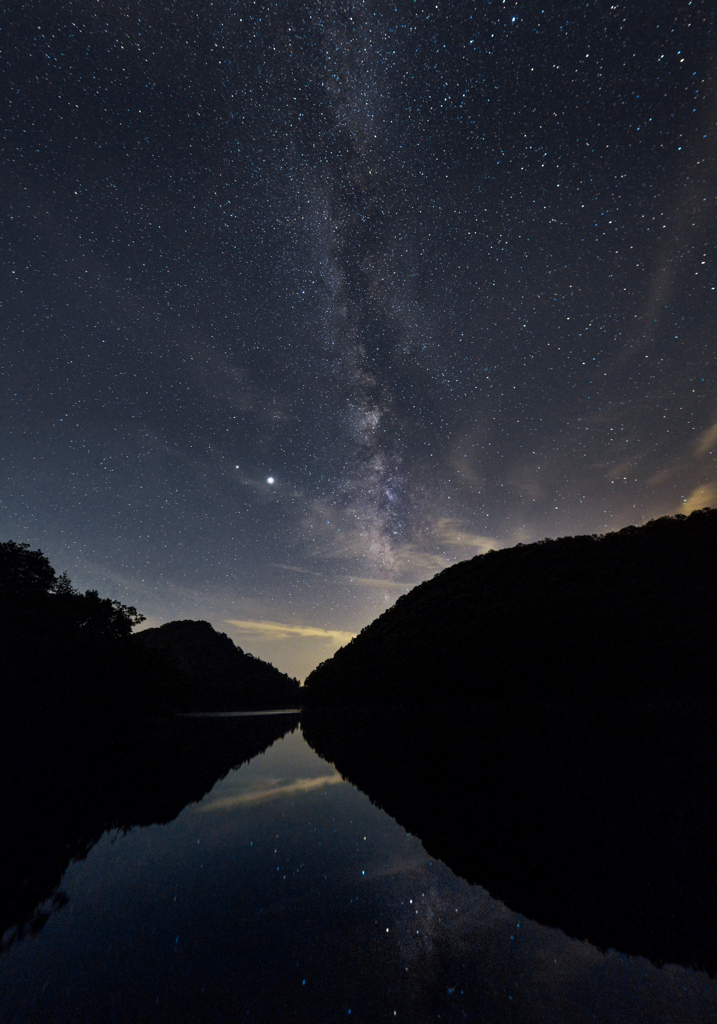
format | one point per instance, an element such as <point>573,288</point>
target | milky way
<point>302,302</point>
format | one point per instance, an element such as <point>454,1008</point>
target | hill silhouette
<point>599,820</point>
<point>61,650</point>
<point>624,615</point>
<point>213,673</point>
<point>62,786</point>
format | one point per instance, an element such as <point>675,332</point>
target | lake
<point>151,880</point>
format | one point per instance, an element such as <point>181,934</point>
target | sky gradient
<point>303,302</point>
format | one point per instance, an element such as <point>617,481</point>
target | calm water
<point>285,894</point>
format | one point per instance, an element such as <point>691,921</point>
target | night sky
<point>302,302</point>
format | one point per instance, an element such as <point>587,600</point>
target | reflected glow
<point>271,792</point>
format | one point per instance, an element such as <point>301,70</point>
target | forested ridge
<point>60,648</point>
<point>629,614</point>
<point>216,673</point>
<point>65,650</point>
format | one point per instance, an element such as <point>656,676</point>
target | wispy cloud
<point>707,442</point>
<point>270,792</point>
<point>419,562</point>
<point>357,581</point>
<point>266,630</point>
<point>450,532</point>
<point>701,497</point>
<point>296,568</point>
<point>363,581</point>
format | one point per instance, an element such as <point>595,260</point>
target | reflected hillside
<point>603,824</point>
<point>62,787</point>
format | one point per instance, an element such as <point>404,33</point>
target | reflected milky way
<point>302,303</point>
<point>304,907</point>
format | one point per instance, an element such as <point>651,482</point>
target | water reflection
<point>63,786</point>
<point>602,823</point>
<point>271,790</point>
<point>285,893</point>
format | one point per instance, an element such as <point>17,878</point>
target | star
<point>464,276</point>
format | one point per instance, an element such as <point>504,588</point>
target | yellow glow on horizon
<point>701,497</point>
<point>267,630</point>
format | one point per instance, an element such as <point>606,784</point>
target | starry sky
<point>302,302</point>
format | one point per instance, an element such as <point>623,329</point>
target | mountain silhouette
<point>212,673</point>
<point>626,615</point>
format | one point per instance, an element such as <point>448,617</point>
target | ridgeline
<point>66,652</point>
<point>625,615</point>
<point>213,673</point>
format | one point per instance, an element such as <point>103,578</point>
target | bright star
<point>270,479</point>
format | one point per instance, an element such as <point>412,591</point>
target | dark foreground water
<point>283,893</point>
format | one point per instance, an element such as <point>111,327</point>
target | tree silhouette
<point>56,643</point>
<point>24,574</point>
<point>59,648</point>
